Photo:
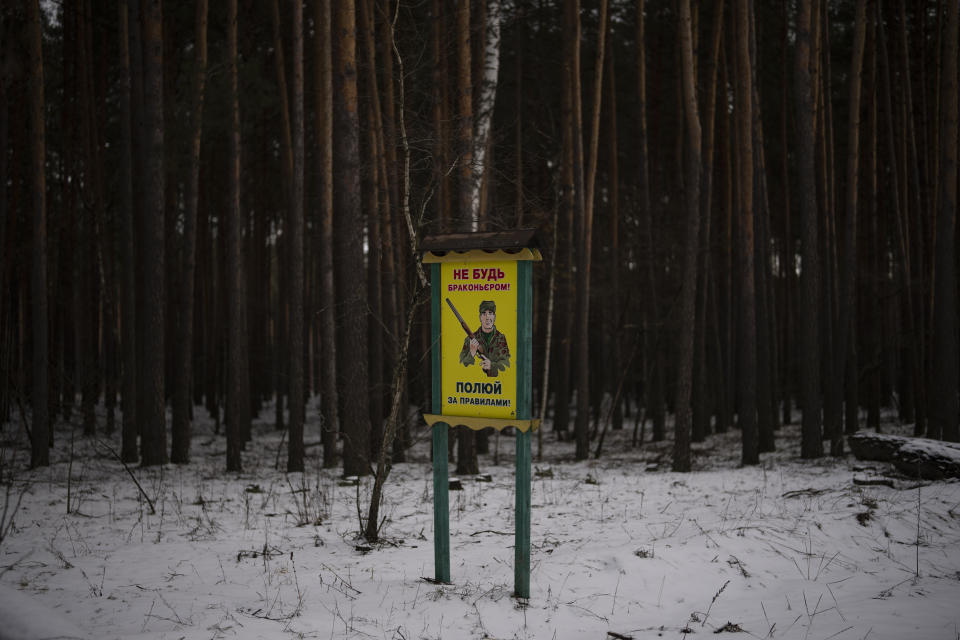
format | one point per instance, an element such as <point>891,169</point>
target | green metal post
<point>441,505</point>
<point>521,571</point>
<point>441,482</point>
<point>521,562</point>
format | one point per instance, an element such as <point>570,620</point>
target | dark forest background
<point>747,212</point>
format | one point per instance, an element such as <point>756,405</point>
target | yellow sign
<point>478,336</point>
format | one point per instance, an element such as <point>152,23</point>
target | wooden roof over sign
<point>515,239</point>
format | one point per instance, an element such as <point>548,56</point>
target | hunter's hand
<point>485,363</point>
<point>474,345</point>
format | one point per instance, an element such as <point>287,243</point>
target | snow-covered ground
<point>621,547</point>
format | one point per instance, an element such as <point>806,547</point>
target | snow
<point>948,451</point>
<point>620,545</point>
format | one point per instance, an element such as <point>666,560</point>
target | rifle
<point>464,325</point>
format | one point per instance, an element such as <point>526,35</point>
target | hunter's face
<point>487,318</point>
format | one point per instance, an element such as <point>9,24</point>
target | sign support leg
<point>521,575</point>
<point>441,504</point>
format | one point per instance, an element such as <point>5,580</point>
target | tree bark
<point>350,281</point>
<point>787,250</point>
<point>40,433</point>
<point>521,37</point>
<point>88,233</point>
<point>485,103</point>
<point>282,359</point>
<point>688,293</point>
<point>324,128</point>
<point>910,391</point>
<point>465,213</point>
<point>943,407</point>
<point>765,320</point>
<point>747,325</point>
<point>441,116</point>
<point>295,235</point>
<point>381,287</point>
<point>846,347</point>
<point>396,259</point>
<point>701,389</point>
<point>237,370</point>
<point>128,283</point>
<point>373,192</point>
<point>566,196</point>
<point>654,399</point>
<point>811,445</point>
<point>398,392</point>
<point>726,267</point>
<point>613,312</point>
<point>829,241</point>
<point>467,463</point>
<point>153,436</point>
<point>182,392</point>
<point>5,284</point>
<point>581,425</point>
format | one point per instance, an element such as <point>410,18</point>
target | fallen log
<point>867,445</point>
<point>928,459</point>
<point>915,457</point>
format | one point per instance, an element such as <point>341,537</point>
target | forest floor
<point>621,546</point>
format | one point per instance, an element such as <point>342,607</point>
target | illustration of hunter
<point>486,341</point>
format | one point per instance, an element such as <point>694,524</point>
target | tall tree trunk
<point>521,38</point>
<point>390,327</point>
<point>373,193</point>
<point>466,216</point>
<point>5,264</point>
<point>581,426</point>
<point>701,394</point>
<point>394,418</point>
<point>89,268</point>
<point>765,318</point>
<point>396,258</point>
<point>379,259</point>
<point>869,298</point>
<point>39,434</point>
<point>787,250</point>
<point>466,221</point>
<point>128,392</point>
<point>832,386</point>
<point>62,262</point>
<point>910,408</point>
<point>328,353</point>
<point>487,80</point>
<point>139,132</point>
<point>577,225</point>
<point>688,300</point>
<point>182,392</point>
<point>614,317</point>
<point>153,437</point>
<point>567,195</point>
<point>283,359</point>
<point>350,280</point>
<point>237,369</point>
<point>846,351</point>
<point>811,445</point>
<point>107,249</point>
<point>747,324</point>
<point>654,400</point>
<point>724,279</point>
<point>441,115</point>
<point>943,407</point>
<point>295,232</point>
<point>901,217</point>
